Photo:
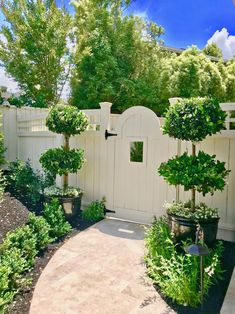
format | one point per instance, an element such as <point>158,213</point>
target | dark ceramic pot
<point>184,228</point>
<point>71,205</point>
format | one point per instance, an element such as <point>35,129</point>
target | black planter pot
<point>184,228</point>
<point>71,205</point>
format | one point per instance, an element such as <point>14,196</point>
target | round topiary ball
<point>66,119</point>
<point>193,119</point>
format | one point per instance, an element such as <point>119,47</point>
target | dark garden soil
<point>214,300</point>
<point>14,214</point>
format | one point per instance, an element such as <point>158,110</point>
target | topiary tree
<point>193,120</point>
<point>69,121</point>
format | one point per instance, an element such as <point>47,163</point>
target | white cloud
<point>225,42</point>
<point>5,80</point>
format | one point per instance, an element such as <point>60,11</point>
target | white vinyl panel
<point>231,186</point>
<point>208,146</point>
<point>172,152</point>
<point>158,188</point>
<point>163,156</point>
<point>96,181</point>
<point>110,170</point>
<point>220,197</point>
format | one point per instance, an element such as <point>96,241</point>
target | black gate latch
<point>108,134</point>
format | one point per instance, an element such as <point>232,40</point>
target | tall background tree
<point>34,48</point>
<point>212,50</point>
<point>117,57</point>
<point>192,74</point>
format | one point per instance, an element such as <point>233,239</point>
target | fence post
<point>104,125</point>
<point>105,110</point>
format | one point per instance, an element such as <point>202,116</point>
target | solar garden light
<point>199,250</point>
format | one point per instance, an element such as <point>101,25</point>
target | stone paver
<point>99,271</point>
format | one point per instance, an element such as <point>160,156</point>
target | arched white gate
<point>137,193</point>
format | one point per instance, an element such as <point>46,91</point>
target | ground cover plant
<point>94,212</point>
<point>20,247</point>
<point>176,273</point>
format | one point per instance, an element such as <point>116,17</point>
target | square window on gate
<point>136,151</point>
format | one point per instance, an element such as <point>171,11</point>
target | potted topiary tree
<point>69,121</point>
<point>193,120</point>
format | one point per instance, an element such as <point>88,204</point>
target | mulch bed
<point>14,214</point>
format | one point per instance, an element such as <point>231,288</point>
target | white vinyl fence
<point>134,190</point>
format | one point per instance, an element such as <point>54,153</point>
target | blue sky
<point>186,22</point>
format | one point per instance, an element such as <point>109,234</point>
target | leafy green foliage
<point>60,161</point>
<point>19,248</point>
<point>55,191</point>
<point>193,119</point>
<point>202,172</point>
<point>192,74</point>
<point>176,273</point>
<point>67,120</point>
<point>94,212</point>
<point>23,182</point>
<point>41,229</point>
<point>212,50</point>
<point>12,266</point>
<point>34,48</point>
<point>24,240</point>
<point>54,215</point>
<point>184,209</point>
<point>136,152</point>
<point>113,60</point>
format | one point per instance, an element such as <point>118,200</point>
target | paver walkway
<point>99,271</point>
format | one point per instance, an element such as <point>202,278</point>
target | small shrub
<point>12,268</point>
<point>24,182</point>
<point>23,239</point>
<point>54,215</point>
<point>41,229</point>
<point>176,273</point>
<point>94,212</point>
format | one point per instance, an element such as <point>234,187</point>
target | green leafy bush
<point>60,161</point>
<point>95,211</point>
<point>176,273</point>
<point>55,191</point>
<point>24,240</point>
<point>65,119</point>
<point>183,209</point>
<point>19,248</point>
<point>41,229</point>
<point>23,182</point>
<point>54,215</point>
<point>12,266</point>
<point>202,172</point>
<point>193,119</point>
